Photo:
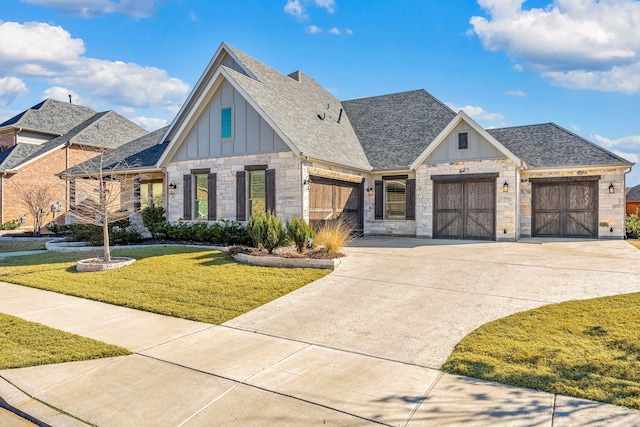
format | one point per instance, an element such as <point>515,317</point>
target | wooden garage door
<point>332,199</point>
<point>564,208</point>
<point>465,209</point>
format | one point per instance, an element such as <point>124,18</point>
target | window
<point>151,194</point>
<point>226,123</point>
<point>257,193</point>
<point>395,195</point>
<point>463,141</point>
<point>201,196</point>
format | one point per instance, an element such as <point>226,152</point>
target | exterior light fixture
<point>369,191</point>
<point>612,189</point>
<point>306,181</point>
<point>505,187</point>
<point>172,187</point>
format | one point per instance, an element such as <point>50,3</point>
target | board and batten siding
<point>251,133</point>
<point>479,148</point>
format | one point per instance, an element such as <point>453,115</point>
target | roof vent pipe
<point>340,115</point>
<point>70,99</point>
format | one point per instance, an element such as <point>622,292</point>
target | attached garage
<point>331,199</point>
<point>464,206</point>
<point>564,207</point>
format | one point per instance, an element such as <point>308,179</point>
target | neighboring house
<point>250,139</point>
<point>47,139</point>
<point>633,200</point>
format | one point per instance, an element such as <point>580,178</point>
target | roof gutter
<point>555,168</point>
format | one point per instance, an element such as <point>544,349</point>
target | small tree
<point>37,199</point>
<point>114,189</point>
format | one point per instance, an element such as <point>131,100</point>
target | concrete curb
<point>274,261</point>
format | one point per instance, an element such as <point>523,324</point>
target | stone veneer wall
<point>506,212</point>
<point>611,206</point>
<point>288,182</point>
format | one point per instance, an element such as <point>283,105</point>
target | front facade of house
<point>251,139</point>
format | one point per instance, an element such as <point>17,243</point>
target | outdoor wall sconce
<point>612,189</point>
<point>306,182</point>
<point>369,191</point>
<point>505,187</point>
<point>172,187</point>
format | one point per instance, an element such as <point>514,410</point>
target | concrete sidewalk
<point>186,373</point>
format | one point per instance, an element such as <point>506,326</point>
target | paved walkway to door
<point>360,346</point>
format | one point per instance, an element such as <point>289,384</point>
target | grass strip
<point>588,349</point>
<point>24,343</point>
<point>188,282</point>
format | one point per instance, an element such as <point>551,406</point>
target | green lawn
<point>188,282</point>
<point>588,349</point>
<point>25,343</point>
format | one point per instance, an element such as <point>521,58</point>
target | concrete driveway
<point>412,300</point>
<point>361,346</point>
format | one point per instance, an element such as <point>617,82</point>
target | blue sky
<point>505,62</point>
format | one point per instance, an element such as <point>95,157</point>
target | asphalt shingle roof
<point>105,130</point>
<point>395,129</point>
<point>634,194</point>
<point>143,152</point>
<point>294,106</point>
<point>549,145</point>
<point>50,116</point>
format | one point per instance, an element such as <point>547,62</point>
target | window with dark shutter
<point>241,195</point>
<point>211,202</point>
<point>186,197</point>
<point>379,200</point>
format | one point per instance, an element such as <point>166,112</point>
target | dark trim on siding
<point>270,190</point>
<point>256,167</point>
<point>567,179</point>
<point>211,197</point>
<point>379,200</point>
<point>384,177</point>
<point>241,196</point>
<point>200,171</point>
<point>410,199</point>
<point>465,177</point>
<point>187,201</point>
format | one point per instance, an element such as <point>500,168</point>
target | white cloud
<point>349,31</point>
<point>62,94</point>
<point>149,123</point>
<point>586,44</point>
<point>327,4</point>
<point>626,147</point>
<point>575,128</point>
<point>335,31</point>
<point>314,30</point>
<point>477,113</point>
<point>93,8</point>
<point>10,89</point>
<point>516,93</point>
<point>294,8</point>
<point>49,52</point>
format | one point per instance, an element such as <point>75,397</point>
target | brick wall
<point>7,138</point>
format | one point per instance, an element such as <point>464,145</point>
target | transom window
<point>395,194</point>
<point>257,194</point>
<point>151,194</point>
<point>226,123</point>
<point>201,199</point>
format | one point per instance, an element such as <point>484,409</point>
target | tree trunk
<point>105,240</point>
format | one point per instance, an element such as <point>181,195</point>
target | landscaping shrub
<point>11,225</point>
<point>300,232</point>
<point>154,220</point>
<point>267,231</point>
<point>120,233</point>
<point>633,226</point>
<point>223,232</point>
<point>334,235</point>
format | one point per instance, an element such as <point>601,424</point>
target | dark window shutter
<point>411,199</point>
<point>241,196</point>
<point>379,202</point>
<point>270,190</point>
<point>211,192</point>
<point>136,194</point>
<point>72,193</point>
<point>187,203</point>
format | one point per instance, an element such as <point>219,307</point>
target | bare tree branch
<point>38,199</point>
